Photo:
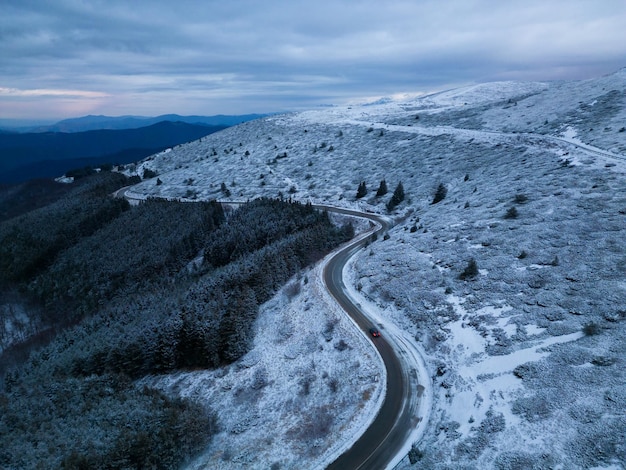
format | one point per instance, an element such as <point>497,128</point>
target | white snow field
<point>295,399</point>
<point>526,354</point>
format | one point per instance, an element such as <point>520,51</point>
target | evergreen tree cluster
<point>440,193</point>
<point>99,422</point>
<point>30,242</point>
<point>259,223</point>
<point>24,197</point>
<point>361,190</point>
<point>396,198</point>
<point>209,324</point>
<point>125,305</point>
<point>152,241</point>
<point>382,189</point>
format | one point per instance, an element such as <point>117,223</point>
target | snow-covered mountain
<point>526,355</point>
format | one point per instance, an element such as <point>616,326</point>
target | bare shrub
<point>315,425</point>
<point>329,328</point>
<point>415,455</point>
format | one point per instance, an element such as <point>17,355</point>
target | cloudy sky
<point>67,58</point>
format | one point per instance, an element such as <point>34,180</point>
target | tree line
<point>132,291</point>
<point>396,198</point>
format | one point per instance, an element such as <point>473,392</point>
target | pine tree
<point>382,189</point>
<point>362,191</point>
<point>440,194</point>
<point>397,197</point>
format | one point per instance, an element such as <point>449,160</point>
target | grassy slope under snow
<point>517,383</point>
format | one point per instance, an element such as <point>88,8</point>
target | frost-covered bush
<point>483,436</point>
<point>524,461</point>
<point>591,329</point>
<point>142,312</point>
<point>415,454</point>
<point>315,424</point>
<point>148,173</point>
<point>292,289</point>
<point>511,213</point>
<point>534,408</point>
<point>520,198</point>
<point>470,271</point>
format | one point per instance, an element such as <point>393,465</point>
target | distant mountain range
<point>91,122</point>
<point>48,154</point>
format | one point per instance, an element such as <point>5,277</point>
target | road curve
<point>387,434</point>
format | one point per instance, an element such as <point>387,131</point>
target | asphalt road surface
<point>385,437</point>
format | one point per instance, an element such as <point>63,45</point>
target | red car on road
<point>374,332</point>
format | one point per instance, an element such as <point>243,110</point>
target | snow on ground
<point>15,325</point>
<point>308,388</point>
<point>526,357</point>
<point>483,373</point>
<point>480,94</point>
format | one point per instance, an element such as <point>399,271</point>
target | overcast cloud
<point>78,57</point>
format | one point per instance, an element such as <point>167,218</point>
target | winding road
<point>393,428</point>
<point>387,435</point>
<point>384,438</point>
<point>385,441</point>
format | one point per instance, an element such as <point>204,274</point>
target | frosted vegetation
<point>507,265</point>
<point>107,293</point>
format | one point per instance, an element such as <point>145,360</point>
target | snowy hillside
<point>526,354</point>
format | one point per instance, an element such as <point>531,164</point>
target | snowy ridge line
<point>475,133</point>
